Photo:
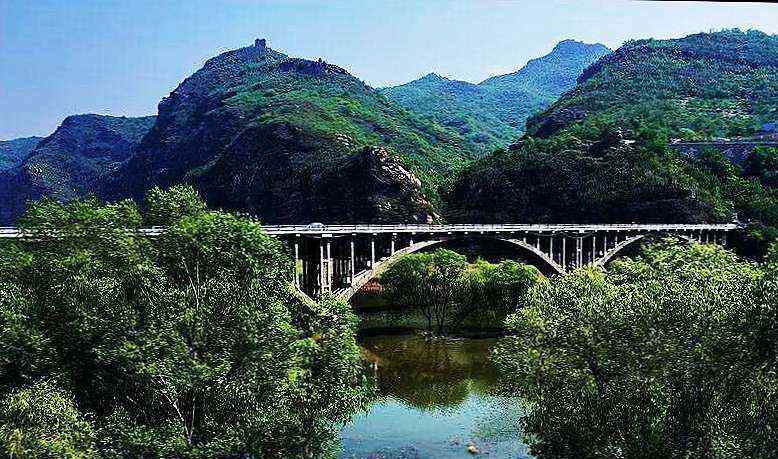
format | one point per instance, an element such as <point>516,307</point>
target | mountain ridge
<point>492,113</point>
<point>70,162</point>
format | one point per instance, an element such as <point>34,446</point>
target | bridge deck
<point>498,228</point>
<point>10,232</point>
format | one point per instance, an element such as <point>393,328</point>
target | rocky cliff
<point>257,131</point>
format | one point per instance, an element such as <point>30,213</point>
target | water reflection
<point>438,398</point>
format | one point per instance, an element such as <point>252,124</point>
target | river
<point>437,398</point>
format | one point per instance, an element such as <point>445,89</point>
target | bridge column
<point>296,260</point>
<point>394,239</point>
<point>325,264</point>
<point>351,267</point>
<point>578,252</point>
<point>564,252</point>
<point>321,265</point>
<point>551,248</point>
<point>372,251</point>
<point>594,249</point>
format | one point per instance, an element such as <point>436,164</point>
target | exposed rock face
<point>72,161</point>
<point>285,139</point>
<point>737,152</point>
<point>267,173</point>
<point>373,186</point>
<point>557,120</point>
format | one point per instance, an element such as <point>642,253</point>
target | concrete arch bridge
<point>343,258</point>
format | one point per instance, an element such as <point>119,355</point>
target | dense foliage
<point>492,113</point>
<point>569,179</point>
<point>669,354</point>
<point>191,344</point>
<point>447,289</point>
<point>599,174</point>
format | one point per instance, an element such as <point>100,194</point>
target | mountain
<point>13,152</point>
<point>707,85</point>
<point>606,180</point>
<point>492,113</point>
<point>72,161</point>
<point>601,152</point>
<point>283,138</point>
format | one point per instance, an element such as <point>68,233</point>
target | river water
<point>437,398</point>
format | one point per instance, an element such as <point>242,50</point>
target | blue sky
<point>61,57</point>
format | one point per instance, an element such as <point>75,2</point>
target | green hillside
<point>707,85</point>
<point>492,114</point>
<point>258,131</point>
<point>601,153</point>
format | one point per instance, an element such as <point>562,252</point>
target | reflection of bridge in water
<point>343,258</point>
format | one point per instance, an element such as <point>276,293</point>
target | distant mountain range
<point>13,152</point>
<point>492,113</point>
<point>293,140</point>
<point>71,162</point>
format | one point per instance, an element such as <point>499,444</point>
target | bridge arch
<point>611,253</point>
<point>364,277</point>
<point>616,249</point>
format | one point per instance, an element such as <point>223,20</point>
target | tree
<point>670,354</point>
<point>430,282</point>
<point>448,290</point>
<point>42,420</point>
<point>190,344</point>
<point>495,290</point>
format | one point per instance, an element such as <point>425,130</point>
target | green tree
<point>450,291</point>
<point>670,354</point>
<point>164,207</point>
<point>494,290</point>
<point>430,282</point>
<point>190,344</point>
<point>42,420</point>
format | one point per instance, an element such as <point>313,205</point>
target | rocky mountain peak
<point>432,76</point>
<point>575,46</point>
